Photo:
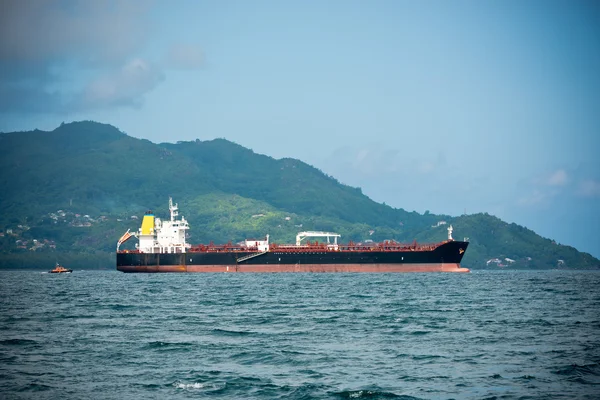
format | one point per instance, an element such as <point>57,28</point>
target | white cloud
<point>534,198</point>
<point>91,31</point>
<point>559,185</point>
<point>78,55</point>
<point>426,167</point>
<point>184,56</point>
<point>589,188</point>
<point>125,86</point>
<point>558,178</point>
<point>47,47</point>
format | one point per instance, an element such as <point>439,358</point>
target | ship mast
<point>173,209</point>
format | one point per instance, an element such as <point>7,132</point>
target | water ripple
<point>103,334</point>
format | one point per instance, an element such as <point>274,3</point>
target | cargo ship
<point>162,247</point>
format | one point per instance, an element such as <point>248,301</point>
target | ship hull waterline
<point>323,268</point>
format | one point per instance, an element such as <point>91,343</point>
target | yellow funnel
<point>148,224</point>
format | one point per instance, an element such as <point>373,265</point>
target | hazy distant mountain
<point>72,192</point>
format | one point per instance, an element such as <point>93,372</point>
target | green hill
<point>72,192</point>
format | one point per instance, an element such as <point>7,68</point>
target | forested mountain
<point>69,194</point>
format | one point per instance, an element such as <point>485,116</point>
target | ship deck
<point>311,247</point>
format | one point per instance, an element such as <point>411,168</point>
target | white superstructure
<point>261,245</point>
<point>158,236</point>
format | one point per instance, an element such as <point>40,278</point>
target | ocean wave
<point>426,357</point>
<point>18,342</point>
<point>35,387</point>
<point>372,394</point>
<point>587,374</point>
<point>576,369</point>
<point>164,345</point>
<point>194,385</point>
<point>420,333</point>
<point>231,332</point>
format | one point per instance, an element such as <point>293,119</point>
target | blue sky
<point>447,106</point>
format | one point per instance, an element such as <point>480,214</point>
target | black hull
<point>444,258</point>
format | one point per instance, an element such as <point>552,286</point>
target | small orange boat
<point>59,269</point>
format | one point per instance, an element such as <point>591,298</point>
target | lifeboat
<point>59,269</point>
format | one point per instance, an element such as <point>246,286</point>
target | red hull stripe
<point>449,267</point>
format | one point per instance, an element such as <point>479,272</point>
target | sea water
<point>109,335</point>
